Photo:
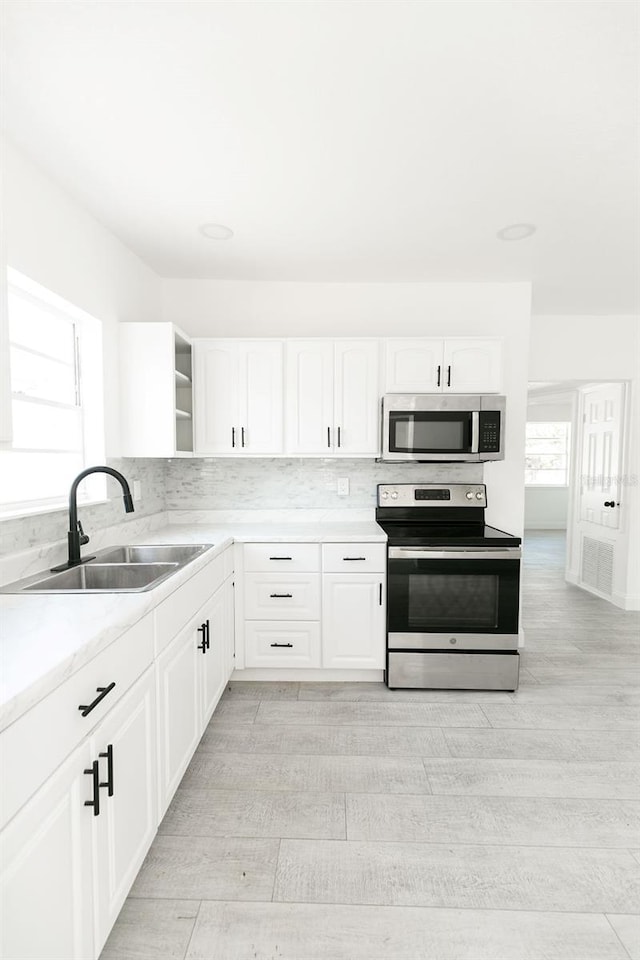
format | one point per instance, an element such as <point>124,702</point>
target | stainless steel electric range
<point>453,587</point>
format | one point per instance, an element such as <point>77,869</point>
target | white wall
<point>546,508</point>
<point>600,349</point>
<point>52,240</point>
<point>210,308</point>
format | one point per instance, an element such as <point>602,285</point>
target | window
<point>56,399</point>
<point>547,454</point>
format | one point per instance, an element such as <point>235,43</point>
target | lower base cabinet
<point>353,621</point>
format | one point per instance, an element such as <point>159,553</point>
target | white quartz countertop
<point>45,638</point>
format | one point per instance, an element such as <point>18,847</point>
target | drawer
<point>276,557</point>
<point>295,596</point>
<point>48,732</point>
<point>270,643</point>
<point>454,671</point>
<point>354,557</point>
<point>175,612</point>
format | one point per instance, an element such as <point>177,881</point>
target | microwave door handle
<point>475,431</point>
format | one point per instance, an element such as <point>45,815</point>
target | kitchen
<point>220,294</point>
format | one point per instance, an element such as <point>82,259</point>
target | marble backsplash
<point>22,533</point>
<point>296,483</point>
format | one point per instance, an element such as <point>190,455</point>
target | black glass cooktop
<point>446,534</point>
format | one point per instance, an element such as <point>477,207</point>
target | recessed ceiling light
<point>215,231</point>
<point>516,231</point>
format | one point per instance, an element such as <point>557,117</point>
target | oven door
<point>456,598</point>
<point>431,435</point>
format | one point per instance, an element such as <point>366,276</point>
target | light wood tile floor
<point>343,821</point>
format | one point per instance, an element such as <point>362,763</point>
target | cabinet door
<point>229,626</point>
<point>216,396</point>
<point>178,685</point>
<point>125,745</point>
<point>353,621</point>
<point>472,366</point>
<point>45,856</point>
<point>309,402</point>
<point>260,410</point>
<point>212,660</point>
<point>356,405</point>
<point>413,366</point>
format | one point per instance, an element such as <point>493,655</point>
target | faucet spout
<point>76,537</point>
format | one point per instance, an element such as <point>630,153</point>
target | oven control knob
<point>394,495</point>
<point>478,495</point>
<point>385,494</point>
<point>469,494</point>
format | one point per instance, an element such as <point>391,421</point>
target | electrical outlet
<point>137,490</point>
<point>343,486</point>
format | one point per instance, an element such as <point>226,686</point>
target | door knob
<point>610,503</point>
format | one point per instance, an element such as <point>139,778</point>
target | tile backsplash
<point>228,484</point>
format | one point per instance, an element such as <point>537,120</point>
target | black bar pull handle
<point>354,558</point>
<point>204,630</point>
<point>448,376</point>
<point>233,436</point>
<point>282,645</point>
<point>94,773</point>
<point>281,595</point>
<point>109,781</point>
<point>380,596</point>
<point>338,436</point>
<point>242,435</point>
<point>328,436</point>
<point>86,709</point>
<point>439,372</point>
<point>280,558</point>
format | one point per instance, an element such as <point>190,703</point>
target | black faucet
<point>76,536</point>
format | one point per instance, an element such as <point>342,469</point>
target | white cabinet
<point>155,390</point>
<point>238,396</point>
<point>332,397</point>
<point>213,657</point>
<point>455,365</point>
<point>46,879</point>
<point>353,605</point>
<point>125,747</point>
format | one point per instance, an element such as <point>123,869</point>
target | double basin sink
<point>128,569</point>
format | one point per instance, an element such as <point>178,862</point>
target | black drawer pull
<point>354,558</point>
<point>280,558</point>
<point>281,595</point>
<point>109,781</point>
<point>448,376</point>
<point>439,368</point>
<point>282,645</point>
<point>103,691</point>
<point>380,596</point>
<point>94,773</point>
<point>204,630</point>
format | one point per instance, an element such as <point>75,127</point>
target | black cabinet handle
<point>233,436</point>
<point>448,376</point>
<point>280,558</point>
<point>439,372</point>
<point>380,596</point>
<point>204,630</point>
<point>94,773</point>
<point>282,645</point>
<point>338,436</point>
<point>281,595</point>
<point>354,558</point>
<point>328,436</point>
<point>109,781</point>
<point>86,709</point>
<point>242,435</point>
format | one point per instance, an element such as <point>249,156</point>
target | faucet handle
<point>84,537</point>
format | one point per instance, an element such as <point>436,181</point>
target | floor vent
<point>597,565</point>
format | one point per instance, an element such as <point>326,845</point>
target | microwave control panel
<point>489,427</point>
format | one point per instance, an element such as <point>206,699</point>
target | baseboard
<point>311,675</point>
<point>626,601</point>
<point>545,525</point>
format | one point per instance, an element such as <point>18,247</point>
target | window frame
<point>566,454</point>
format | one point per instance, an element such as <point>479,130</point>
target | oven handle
<point>455,553</point>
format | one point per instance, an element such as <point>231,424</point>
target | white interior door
<point>601,455</point>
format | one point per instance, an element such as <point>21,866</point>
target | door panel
<point>356,410</point>
<point>411,366</point>
<point>309,400</point>
<point>472,366</point>
<point>216,396</point>
<point>260,410</point>
<point>353,621</point>
<point>601,458</point>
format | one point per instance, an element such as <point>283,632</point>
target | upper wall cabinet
<point>443,366</point>
<point>156,391</point>
<point>332,397</point>
<point>238,399</point>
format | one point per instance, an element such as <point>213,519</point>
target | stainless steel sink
<point>105,578</point>
<point>158,553</point>
<point>127,569</point>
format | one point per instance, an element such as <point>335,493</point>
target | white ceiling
<point>359,140</point>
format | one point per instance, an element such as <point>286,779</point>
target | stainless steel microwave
<point>451,428</point>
